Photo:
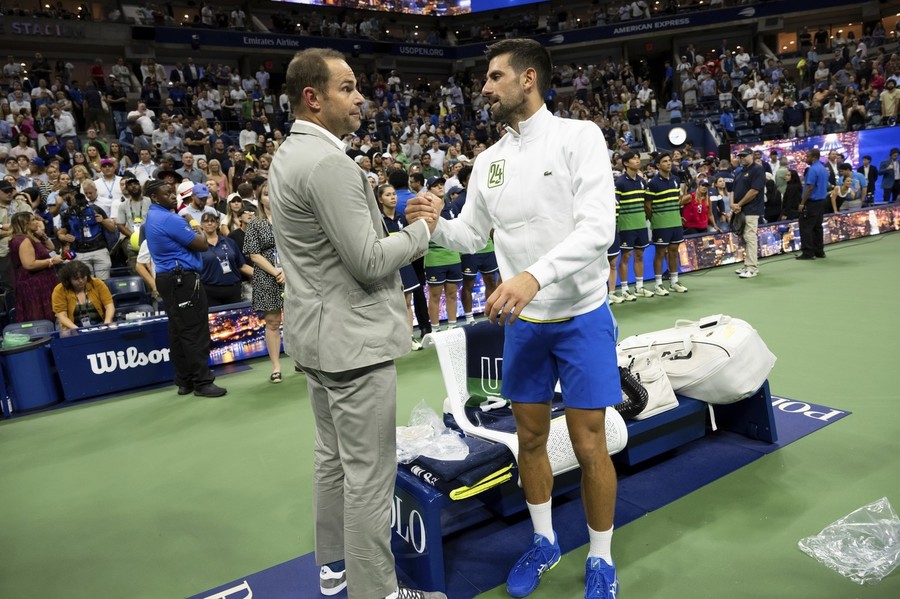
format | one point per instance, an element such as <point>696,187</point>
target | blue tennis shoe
<point>600,580</point>
<point>526,574</point>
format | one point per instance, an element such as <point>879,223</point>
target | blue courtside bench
<point>422,515</point>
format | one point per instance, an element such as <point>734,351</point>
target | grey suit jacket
<point>344,305</point>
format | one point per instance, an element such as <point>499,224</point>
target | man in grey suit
<point>344,323</point>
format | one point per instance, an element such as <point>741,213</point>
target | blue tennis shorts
<point>438,275</point>
<point>409,278</point>
<point>634,239</point>
<point>668,236</point>
<point>579,352</point>
<point>472,264</point>
<point>613,250</point>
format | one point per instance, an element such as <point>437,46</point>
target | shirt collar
<point>533,125</point>
<point>328,134</point>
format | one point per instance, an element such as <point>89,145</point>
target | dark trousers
<point>187,311</point>
<point>219,295</point>
<point>420,304</point>
<point>6,277</point>
<point>811,242</point>
<point>891,194</point>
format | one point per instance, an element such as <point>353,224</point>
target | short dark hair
<point>524,54</point>
<point>845,166</point>
<point>628,156</point>
<point>398,178</point>
<point>309,68</point>
<point>418,177</point>
<point>814,153</point>
<point>464,174</point>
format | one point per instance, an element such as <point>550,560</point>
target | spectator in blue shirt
<point>175,246</point>
<point>727,122</point>
<point>674,107</point>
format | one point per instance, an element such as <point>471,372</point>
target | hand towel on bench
<point>481,452</point>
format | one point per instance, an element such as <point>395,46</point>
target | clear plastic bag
<point>864,545</point>
<point>427,436</point>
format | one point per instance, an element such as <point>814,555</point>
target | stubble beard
<point>508,112</point>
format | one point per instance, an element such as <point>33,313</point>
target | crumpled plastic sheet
<point>864,545</point>
<point>427,436</point>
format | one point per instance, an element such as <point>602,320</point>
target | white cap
<point>185,189</point>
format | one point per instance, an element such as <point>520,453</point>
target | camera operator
<point>84,226</point>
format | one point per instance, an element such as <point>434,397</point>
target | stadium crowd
<point>77,154</point>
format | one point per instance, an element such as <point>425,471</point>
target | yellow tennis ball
<point>136,240</point>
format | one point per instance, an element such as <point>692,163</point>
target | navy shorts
<point>438,275</point>
<point>668,236</point>
<point>485,263</point>
<point>409,278</point>
<point>579,352</point>
<point>634,239</point>
<point>613,250</point>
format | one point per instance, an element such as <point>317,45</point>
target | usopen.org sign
<point>110,361</point>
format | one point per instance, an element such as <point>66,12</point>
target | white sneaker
<point>660,290</point>
<point>614,299</point>
<point>748,274</point>
<point>678,288</point>
<point>470,320</point>
<point>416,344</point>
<point>331,582</point>
<point>627,296</point>
<point>740,270</point>
<point>643,292</point>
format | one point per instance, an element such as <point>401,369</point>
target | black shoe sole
<point>215,394</point>
<point>185,390</point>
<point>805,258</point>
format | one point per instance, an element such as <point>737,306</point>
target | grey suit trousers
<point>355,470</point>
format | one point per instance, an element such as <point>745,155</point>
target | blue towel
<point>471,477</point>
<point>481,452</point>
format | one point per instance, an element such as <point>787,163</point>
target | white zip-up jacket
<point>549,195</point>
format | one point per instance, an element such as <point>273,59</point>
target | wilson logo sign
<point>110,361</point>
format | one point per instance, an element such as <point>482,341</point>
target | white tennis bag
<point>718,359</point>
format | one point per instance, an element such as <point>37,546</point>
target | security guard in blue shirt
<point>812,208</point>
<point>175,247</point>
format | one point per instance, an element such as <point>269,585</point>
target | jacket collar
<point>533,126</point>
<point>310,128</point>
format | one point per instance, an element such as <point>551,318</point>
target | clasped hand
<point>425,206</point>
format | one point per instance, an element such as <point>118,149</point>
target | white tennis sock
<point>600,544</point>
<point>659,280</point>
<point>542,519</point>
<point>673,277</point>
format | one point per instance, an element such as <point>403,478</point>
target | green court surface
<point>152,495</point>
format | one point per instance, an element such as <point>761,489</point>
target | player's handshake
<point>425,206</point>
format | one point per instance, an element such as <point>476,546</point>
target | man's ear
<point>529,78</point>
<point>312,99</point>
